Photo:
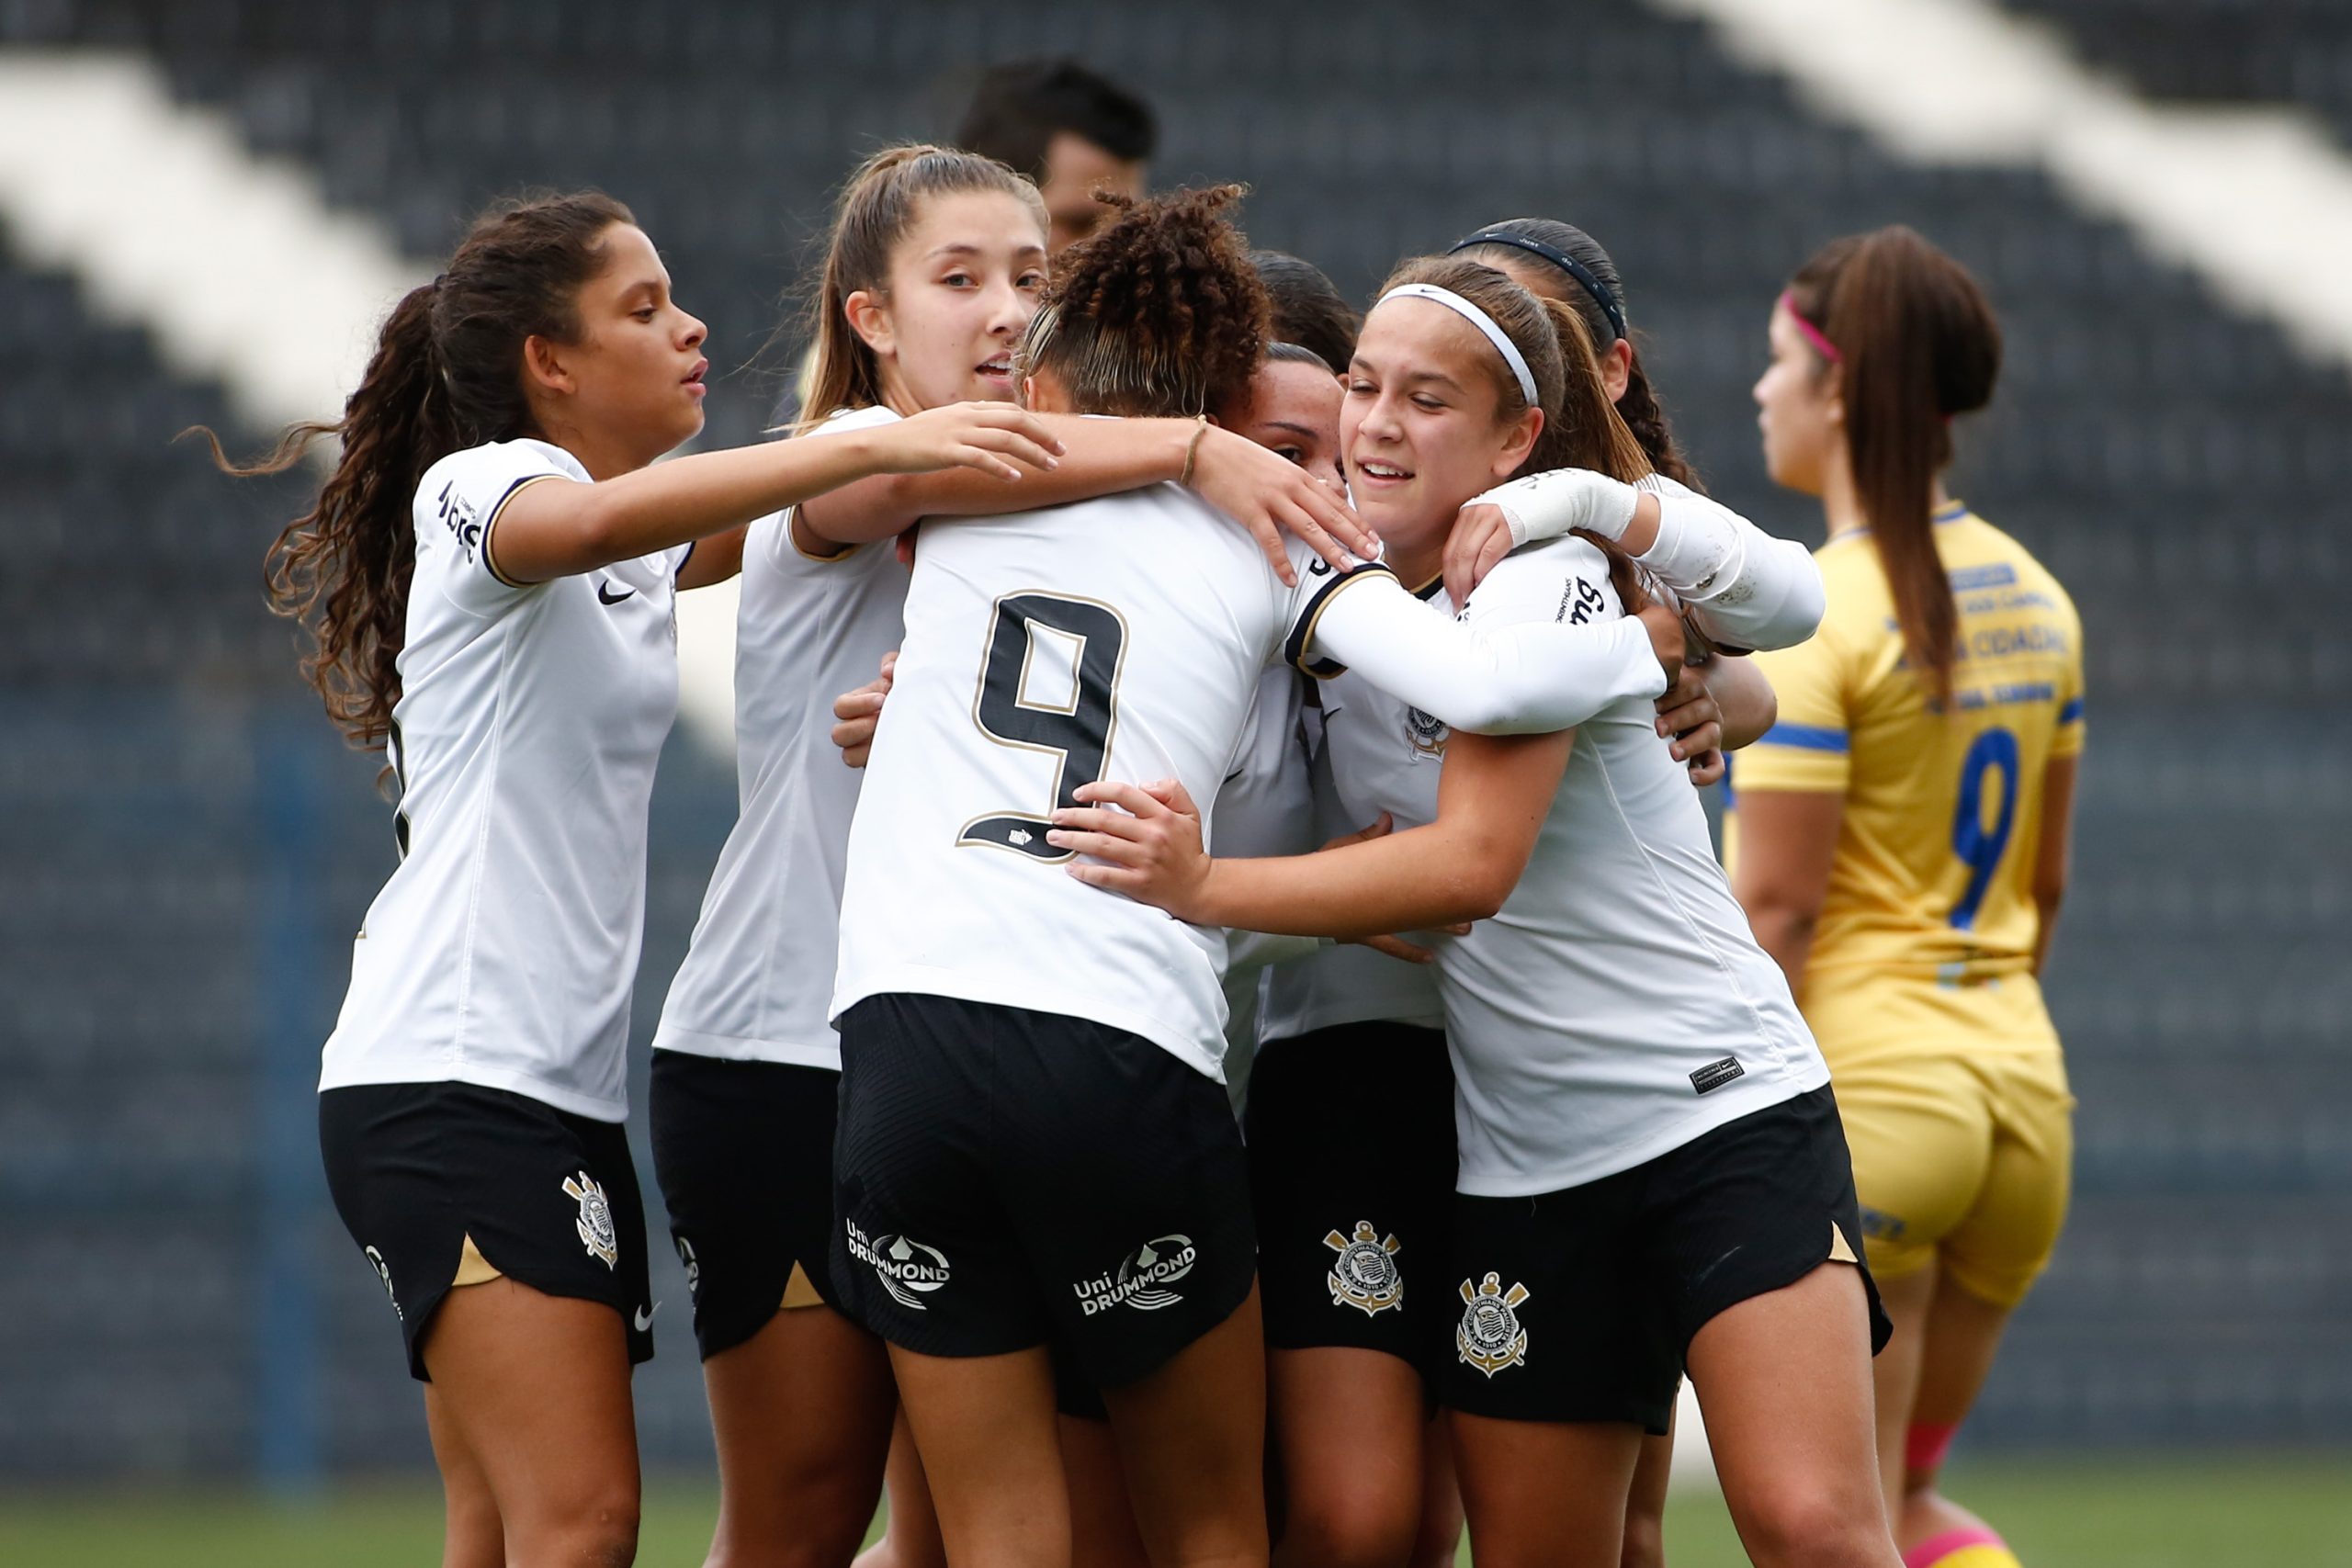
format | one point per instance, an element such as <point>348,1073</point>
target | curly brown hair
<point>447,375</point>
<point>1159,313</point>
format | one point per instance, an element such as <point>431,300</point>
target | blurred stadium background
<point>184,848</point>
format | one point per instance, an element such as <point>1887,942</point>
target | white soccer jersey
<point>1617,1007</point>
<point>1263,808</point>
<point>1120,639</point>
<point>757,979</point>
<point>502,951</point>
<point>1378,754</point>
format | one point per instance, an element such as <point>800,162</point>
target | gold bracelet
<point>1193,449</point>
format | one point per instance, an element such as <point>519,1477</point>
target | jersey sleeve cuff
<point>1302,633</point>
<point>489,529</point>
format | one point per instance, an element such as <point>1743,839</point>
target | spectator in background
<point>1069,129</point>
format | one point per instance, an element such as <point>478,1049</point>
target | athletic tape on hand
<point>1547,506</point>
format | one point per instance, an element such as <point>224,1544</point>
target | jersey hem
<point>747,1048</point>
<point>1295,1024</point>
<point>1206,1060</point>
<point>1703,1121</point>
<point>595,1108</point>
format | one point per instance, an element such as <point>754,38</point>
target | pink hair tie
<point>1812,334</point>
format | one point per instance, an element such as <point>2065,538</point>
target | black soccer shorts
<point>1351,1166</point>
<point>445,1184</point>
<point>745,1155</point>
<point>1005,1178</point>
<point>1581,1304</point>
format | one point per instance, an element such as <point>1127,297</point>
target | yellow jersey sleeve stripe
<point>1805,737</point>
<point>2072,713</point>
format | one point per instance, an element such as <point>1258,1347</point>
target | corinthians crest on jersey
<point>1426,733</point>
<point>595,1221</point>
<point>1490,1337</point>
<point>1365,1276</point>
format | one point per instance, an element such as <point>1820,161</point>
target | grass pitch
<point>2149,1511</point>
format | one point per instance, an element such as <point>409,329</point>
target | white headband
<point>1478,319</point>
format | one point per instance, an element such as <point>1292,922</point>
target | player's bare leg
<point>1545,1494</point>
<point>1349,1433</point>
<point>1103,1531</point>
<point>1784,1378</point>
<point>1193,1436</point>
<point>1439,1541</point>
<point>992,1455</point>
<point>911,1532</point>
<point>1645,1544</point>
<point>472,1536</point>
<point>537,1389</point>
<point>1895,1375</point>
<point>802,1411</point>
<point>1963,1335</point>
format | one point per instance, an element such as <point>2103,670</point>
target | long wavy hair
<point>447,374</point>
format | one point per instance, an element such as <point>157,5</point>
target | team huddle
<point>1219,1034</point>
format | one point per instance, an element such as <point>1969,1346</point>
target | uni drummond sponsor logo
<point>1140,1280</point>
<point>908,1268</point>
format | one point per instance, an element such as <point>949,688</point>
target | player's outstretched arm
<point>560,530</point>
<point>1266,493</point>
<point>1492,800</point>
<point>1524,679</point>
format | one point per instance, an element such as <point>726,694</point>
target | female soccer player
<point>1561,263</point>
<point>1033,1145</point>
<point>1651,1167</point>
<point>489,577</point>
<point>1353,1041</point>
<point>1901,834</point>
<point>935,266</point>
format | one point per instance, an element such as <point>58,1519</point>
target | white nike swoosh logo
<point>644,1318</point>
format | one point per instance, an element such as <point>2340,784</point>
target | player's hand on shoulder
<point>995,438</point>
<point>859,713</point>
<point>1140,839</point>
<point>1480,539</point>
<point>1269,495</point>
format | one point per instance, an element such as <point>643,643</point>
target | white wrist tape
<point>1547,506</point>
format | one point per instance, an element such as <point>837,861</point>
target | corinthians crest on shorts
<point>595,1221</point>
<point>1365,1276</point>
<point>1491,1337</point>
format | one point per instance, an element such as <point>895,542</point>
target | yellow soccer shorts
<point>1963,1155</point>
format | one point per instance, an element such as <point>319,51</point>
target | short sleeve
<point>784,552</point>
<point>2066,740</point>
<point>1319,583</point>
<point>457,512</point>
<point>1807,748</point>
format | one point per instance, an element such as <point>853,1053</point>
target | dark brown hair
<point>1529,240</point>
<point>1157,314</point>
<point>880,202</point>
<point>1020,105</point>
<point>1308,310</point>
<point>447,374</point>
<point>1582,427</point>
<point>1916,343</point>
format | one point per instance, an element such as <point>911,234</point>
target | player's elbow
<point>1782,921</point>
<point>1486,872</point>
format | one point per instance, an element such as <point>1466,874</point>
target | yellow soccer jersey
<point>1933,877</point>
